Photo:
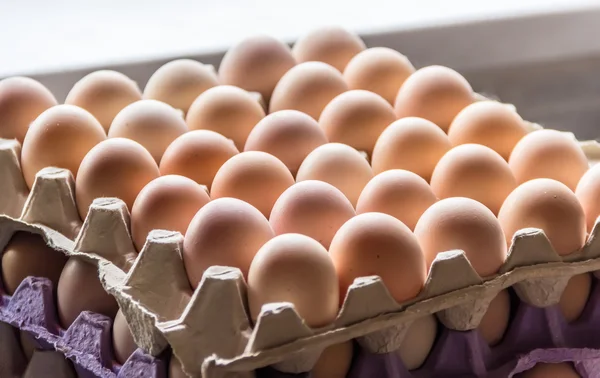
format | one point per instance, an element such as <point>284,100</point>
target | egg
<point>313,208</point>
<point>414,144</point>
<point>104,93</point>
<point>494,323</point>
<point>380,70</point>
<point>339,165</point>
<point>297,269</point>
<point>175,369</point>
<point>289,135</point>
<point>256,64</point>
<point>179,82</point>
<point>548,154</point>
<point>435,93</point>
<point>335,361</point>
<point>377,244</point>
<point>473,171</point>
<point>460,223</point>
<point>550,370</point>
<point>307,87</point>
<point>399,193</point>
<point>28,344</point>
<point>330,44</point>
<point>168,203</point>
<point>228,110</point>
<point>22,100</point>
<point>356,118</point>
<point>60,137</point>
<point>550,206</point>
<point>151,123</point>
<point>575,296</point>
<point>418,342</point>
<point>123,343</point>
<point>116,167</point>
<point>587,192</point>
<point>488,123</point>
<point>226,232</point>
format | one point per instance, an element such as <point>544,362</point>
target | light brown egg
<point>167,203</point>
<point>418,342</point>
<point>550,370</point>
<point>104,93</point>
<point>28,344</point>
<point>256,64</point>
<point>116,167</point>
<point>588,192</point>
<point>575,297</point>
<point>356,118</point>
<point>377,244</point>
<point>330,44</point>
<point>296,269</point>
<point>179,82</point>
<point>22,100</point>
<point>473,171</point>
<point>228,110</point>
<point>123,343</point>
<point>339,165</point>
<point>495,321</point>
<point>226,232</point>
<point>399,193</point>
<point>550,206</point>
<point>60,137</point>
<point>380,70</point>
<point>489,123</point>
<point>307,87</point>
<point>175,369</point>
<point>335,361</point>
<point>467,225</point>
<point>414,144</point>
<point>548,154</point>
<point>435,93</point>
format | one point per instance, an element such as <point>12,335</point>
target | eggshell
<point>339,165</point>
<point>228,110</point>
<point>256,64</point>
<point>380,70</point>
<point>356,118</point>
<point>307,87</point>
<point>467,225</point>
<point>588,192</point>
<point>418,341</point>
<point>28,344</point>
<point>116,167</point>
<point>377,244</point>
<point>335,361</point>
<point>547,370</point>
<point>175,369</point>
<point>60,137</point>
<point>548,205</point>
<point>548,154</point>
<point>435,93</point>
<point>495,321</point>
<point>226,232</point>
<point>414,144</point>
<point>575,297</point>
<point>123,343</point>
<point>22,100</point>
<point>296,269</point>
<point>151,123</point>
<point>104,93</point>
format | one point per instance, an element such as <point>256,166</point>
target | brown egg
<point>414,144</point>
<point>49,363</point>
<point>22,100</point>
<point>418,342</point>
<point>256,177</point>
<point>399,193</point>
<point>28,344</point>
<point>179,82</point>
<point>289,135</point>
<point>123,343</point>
<point>467,225</point>
<point>226,232</point>
<point>377,244</point>
<point>167,203</point>
<point>312,208</point>
<point>550,206</point>
<point>489,123</point>
<point>495,321</point>
<point>380,70</point>
<point>307,87</point>
<point>104,93</point>
<point>60,137</point>
<point>473,171</point>
<point>175,369</point>
<point>228,110</point>
<point>588,192</point>
<point>356,118</point>
<point>548,154</point>
<point>435,93</point>
<point>151,123</point>
<point>550,370</point>
<point>27,254</point>
<point>296,269</point>
<point>574,299</point>
<point>331,44</point>
<point>256,64</point>
<point>335,361</point>
<point>116,167</point>
<point>339,165</point>
<point>79,289</point>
